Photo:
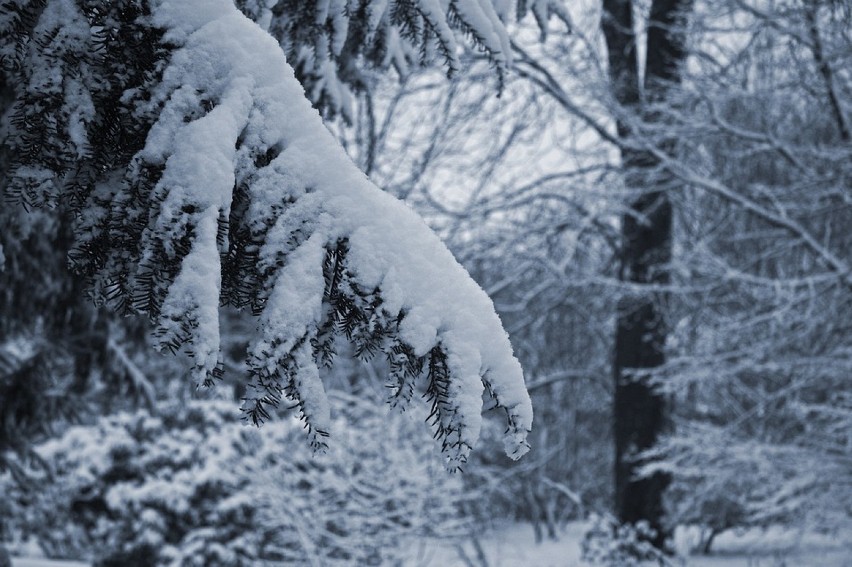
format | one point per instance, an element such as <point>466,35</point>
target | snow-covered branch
<point>202,176</point>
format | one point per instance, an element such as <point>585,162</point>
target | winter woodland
<point>422,282</point>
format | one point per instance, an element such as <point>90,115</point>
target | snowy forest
<point>426,282</point>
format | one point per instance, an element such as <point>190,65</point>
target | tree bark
<point>640,412</point>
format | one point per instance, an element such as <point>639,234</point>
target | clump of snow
<point>309,198</point>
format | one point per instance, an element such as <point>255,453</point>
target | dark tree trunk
<point>640,413</point>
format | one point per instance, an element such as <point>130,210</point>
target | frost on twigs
<point>238,195</point>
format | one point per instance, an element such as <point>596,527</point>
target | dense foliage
<point>192,485</point>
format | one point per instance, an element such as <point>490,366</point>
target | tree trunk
<point>640,413</point>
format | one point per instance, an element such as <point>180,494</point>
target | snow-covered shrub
<point>609,543</point>
<point>720,482</point>
<point>195,486</point>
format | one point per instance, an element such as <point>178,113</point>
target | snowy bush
<point>721,483</point>
<point>607,542</point>
<point>195,486</point>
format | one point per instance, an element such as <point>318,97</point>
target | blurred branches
<point>754,145</point>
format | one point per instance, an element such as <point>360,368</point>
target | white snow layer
<point>258,101</point>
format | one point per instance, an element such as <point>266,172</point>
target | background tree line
<point>740,161</point>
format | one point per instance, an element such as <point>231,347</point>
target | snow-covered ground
<point>514,545</point>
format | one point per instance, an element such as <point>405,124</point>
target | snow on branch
<point>241,196</point>
<point>199,174</point>
<point>335,46</point>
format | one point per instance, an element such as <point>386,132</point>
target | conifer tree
<point>179,146</point>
